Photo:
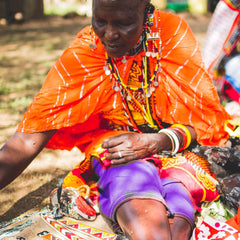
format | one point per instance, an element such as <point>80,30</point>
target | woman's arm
<point>133,146</point>
<point>18,152</point>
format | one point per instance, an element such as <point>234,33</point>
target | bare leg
<point>180,228</point>
<point>144,219</point>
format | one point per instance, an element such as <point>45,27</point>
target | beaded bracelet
<point>174,139</point>
<point>170,137</point>
<point>183,135</point>
<point>187,132</point>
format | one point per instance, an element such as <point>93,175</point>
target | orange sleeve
<point>71,98</point>
<point>186,94</point>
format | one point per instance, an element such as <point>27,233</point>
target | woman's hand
<point>133,146</point>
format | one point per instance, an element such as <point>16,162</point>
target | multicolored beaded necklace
<point>129,94</point>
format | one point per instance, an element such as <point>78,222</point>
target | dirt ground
<point>27,52</point>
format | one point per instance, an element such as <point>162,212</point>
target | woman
<point>127,89</point>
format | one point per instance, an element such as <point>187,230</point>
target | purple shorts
<point>140,179</point>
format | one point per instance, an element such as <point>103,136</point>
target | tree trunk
<point>33,9</point>
<point>28,8</point>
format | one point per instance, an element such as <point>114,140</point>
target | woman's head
<point>119,24</point>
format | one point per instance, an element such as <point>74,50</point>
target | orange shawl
<point>77,93</point>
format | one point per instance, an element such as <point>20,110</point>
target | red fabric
<point>84,207</point>
<point>230,91</point>
<point>194,173</point>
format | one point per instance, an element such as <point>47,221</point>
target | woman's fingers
<point>131,146</point>
<point>112,142</point>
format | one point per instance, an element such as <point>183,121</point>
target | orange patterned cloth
<point>194,173</point>
<point>77,94</point>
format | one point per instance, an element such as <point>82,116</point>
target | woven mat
<point>35,227</point>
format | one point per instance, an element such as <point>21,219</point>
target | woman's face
<point>118,23</point>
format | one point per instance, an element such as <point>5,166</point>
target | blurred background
<point>22,10</point>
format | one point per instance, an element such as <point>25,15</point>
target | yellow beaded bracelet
<point>188,134</point>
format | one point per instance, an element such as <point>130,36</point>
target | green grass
<point>28,51</point>
<point>61,9</point>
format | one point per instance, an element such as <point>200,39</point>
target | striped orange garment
<point>77,94</point>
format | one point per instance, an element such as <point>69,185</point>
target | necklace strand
<point>148,85</point>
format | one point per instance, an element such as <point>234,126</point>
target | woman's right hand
<point>133,146</point>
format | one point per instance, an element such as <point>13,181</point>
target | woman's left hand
<point>133,146</point>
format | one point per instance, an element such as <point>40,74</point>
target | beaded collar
<point>151,51</point>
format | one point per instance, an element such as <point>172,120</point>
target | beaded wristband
<point>188,134</point>
<point>183,134</point>
<point>173,137</point>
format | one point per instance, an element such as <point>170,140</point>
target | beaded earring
<point>148,12</point>
<point>148,22</point>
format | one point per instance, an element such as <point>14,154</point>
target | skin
<point>18,152</point>
<point>137,145</point>
<point>139,220</point>
<point>119,31</point>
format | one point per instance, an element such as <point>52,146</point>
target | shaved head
<point>115,1</point>
<point>118,24</point>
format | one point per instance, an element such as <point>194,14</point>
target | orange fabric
<point>235,221</point>
<point>77,94</point>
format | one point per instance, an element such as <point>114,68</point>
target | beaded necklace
<point>148,85</point>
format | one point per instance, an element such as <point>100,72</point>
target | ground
<point>27,52</point>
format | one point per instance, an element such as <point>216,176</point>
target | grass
<point>27,53</point>
<point>60,10</point>
<point>63,8</point>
